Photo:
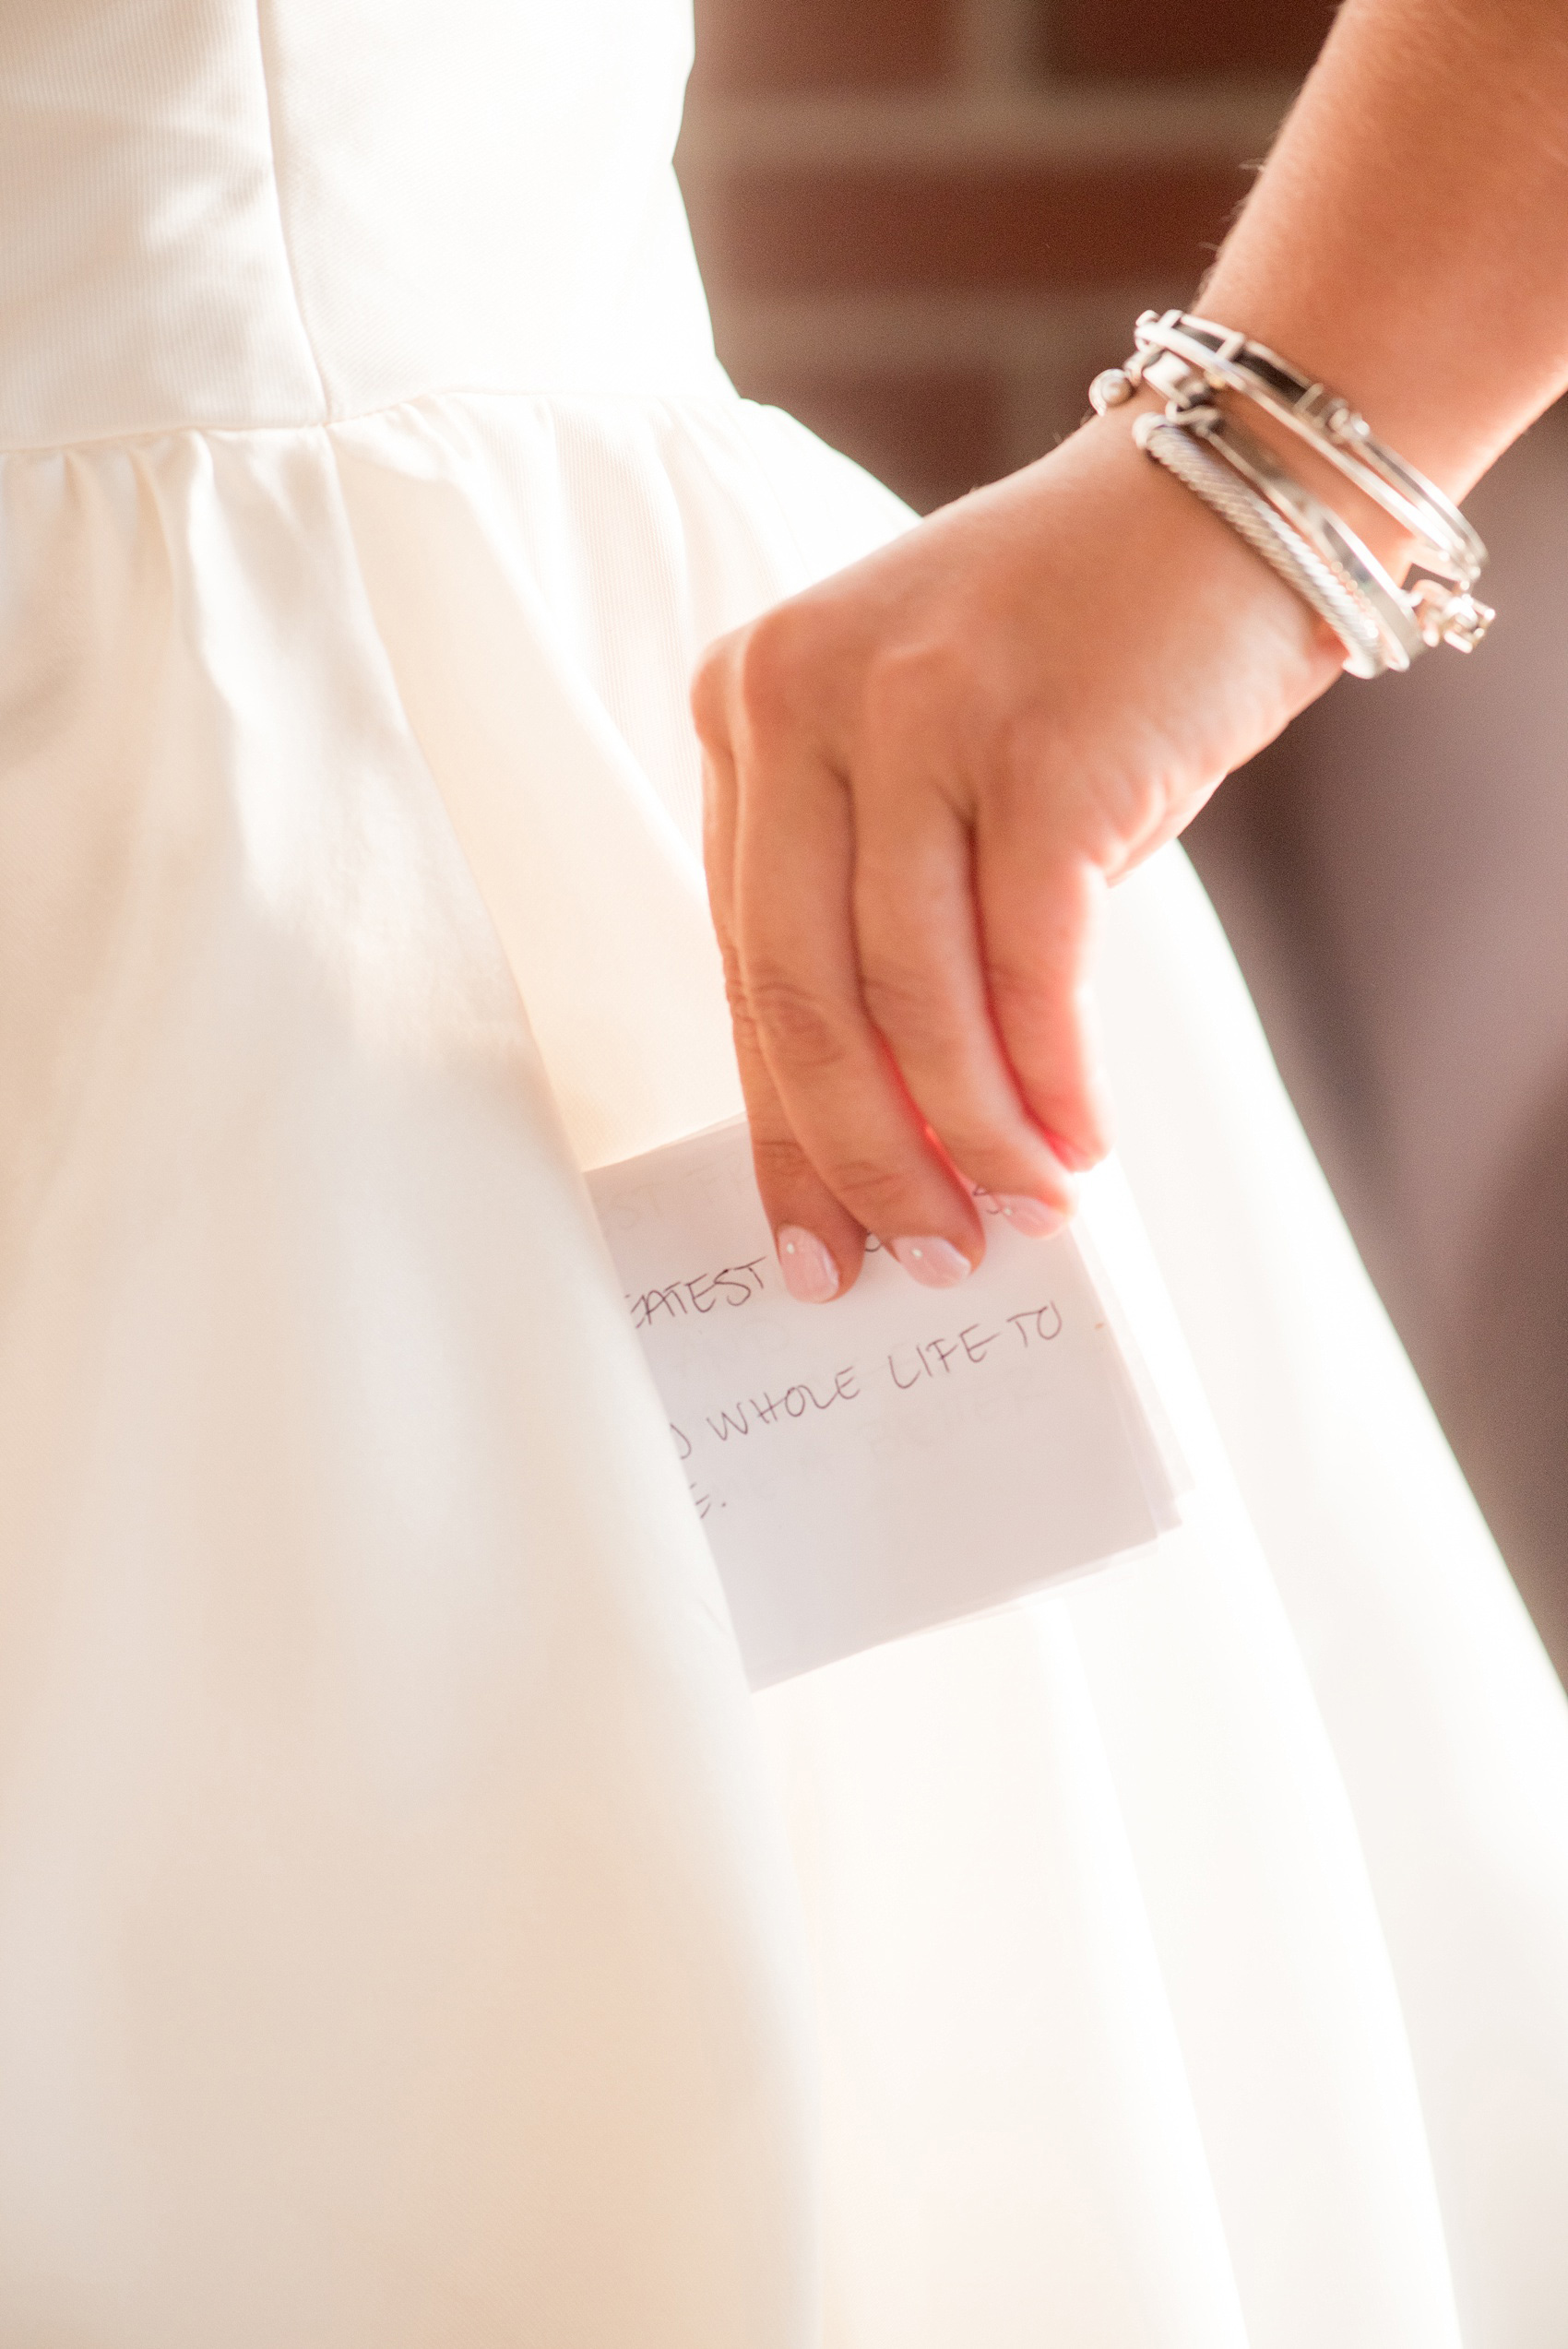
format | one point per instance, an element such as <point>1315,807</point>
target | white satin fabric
<point>399,1944</point>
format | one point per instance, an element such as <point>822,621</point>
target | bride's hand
<point>922,777</point>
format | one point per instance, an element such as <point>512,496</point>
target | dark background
<point>924,224</point>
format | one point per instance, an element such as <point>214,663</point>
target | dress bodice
<point>257,212</point>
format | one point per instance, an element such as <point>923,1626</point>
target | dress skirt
<point>412,1935</point>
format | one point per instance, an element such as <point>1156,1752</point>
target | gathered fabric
<point>411,1931</point>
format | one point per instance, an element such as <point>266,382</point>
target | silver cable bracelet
<point>1190,360</point>
<point>1398,625</point>
<point>1376,596</point>
<point>1445,541</point>
<point>1173,444</point>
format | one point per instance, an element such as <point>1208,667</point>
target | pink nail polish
<point>1031,1217</point>
<point>935,1264</point>
<point>808,1267</point>
<point>1067,1153</point>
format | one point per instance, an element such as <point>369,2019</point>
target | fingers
<point>919,943</point>
<point>820,1245</point>
<point>834,1079</point>
<point>1040,905</point>
<point>907,1000</point>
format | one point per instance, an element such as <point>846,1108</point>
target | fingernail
<point>808,1267</point>
<point>1031,1217</point>
<point>1068,1153</point>
<point>935,1264</point>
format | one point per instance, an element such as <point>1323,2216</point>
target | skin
<point>923,775</point>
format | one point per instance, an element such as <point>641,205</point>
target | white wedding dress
<point>400,1946</point>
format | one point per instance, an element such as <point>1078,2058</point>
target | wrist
<point>1202,558</point>
<point>1378,530</point>
<point>1261,486</point>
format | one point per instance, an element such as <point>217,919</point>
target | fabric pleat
<point>410,1931</point>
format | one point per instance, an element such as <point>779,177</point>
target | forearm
<point>1407,239</point>
<point>924,774</point>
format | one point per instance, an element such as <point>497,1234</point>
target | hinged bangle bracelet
<point>1174,445</point>
<point>1192,363</point>
<point>1230,361</point>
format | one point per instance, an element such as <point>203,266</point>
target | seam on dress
<point>719,402</point>
<point>264,46</point>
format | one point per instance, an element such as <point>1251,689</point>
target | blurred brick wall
<point>925,223</point>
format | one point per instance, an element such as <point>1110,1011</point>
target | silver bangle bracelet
<point>1229,362</point>
<point>1382,626</point>
<point>1173,444</point>
<point>1398,628</point>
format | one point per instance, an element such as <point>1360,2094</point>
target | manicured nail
<point>808,1267</point>
<point>1031,1217</point>
<point>935,1264</point>
<point>1067,1154</point>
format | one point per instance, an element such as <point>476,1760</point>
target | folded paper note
<point>895,1459</point>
